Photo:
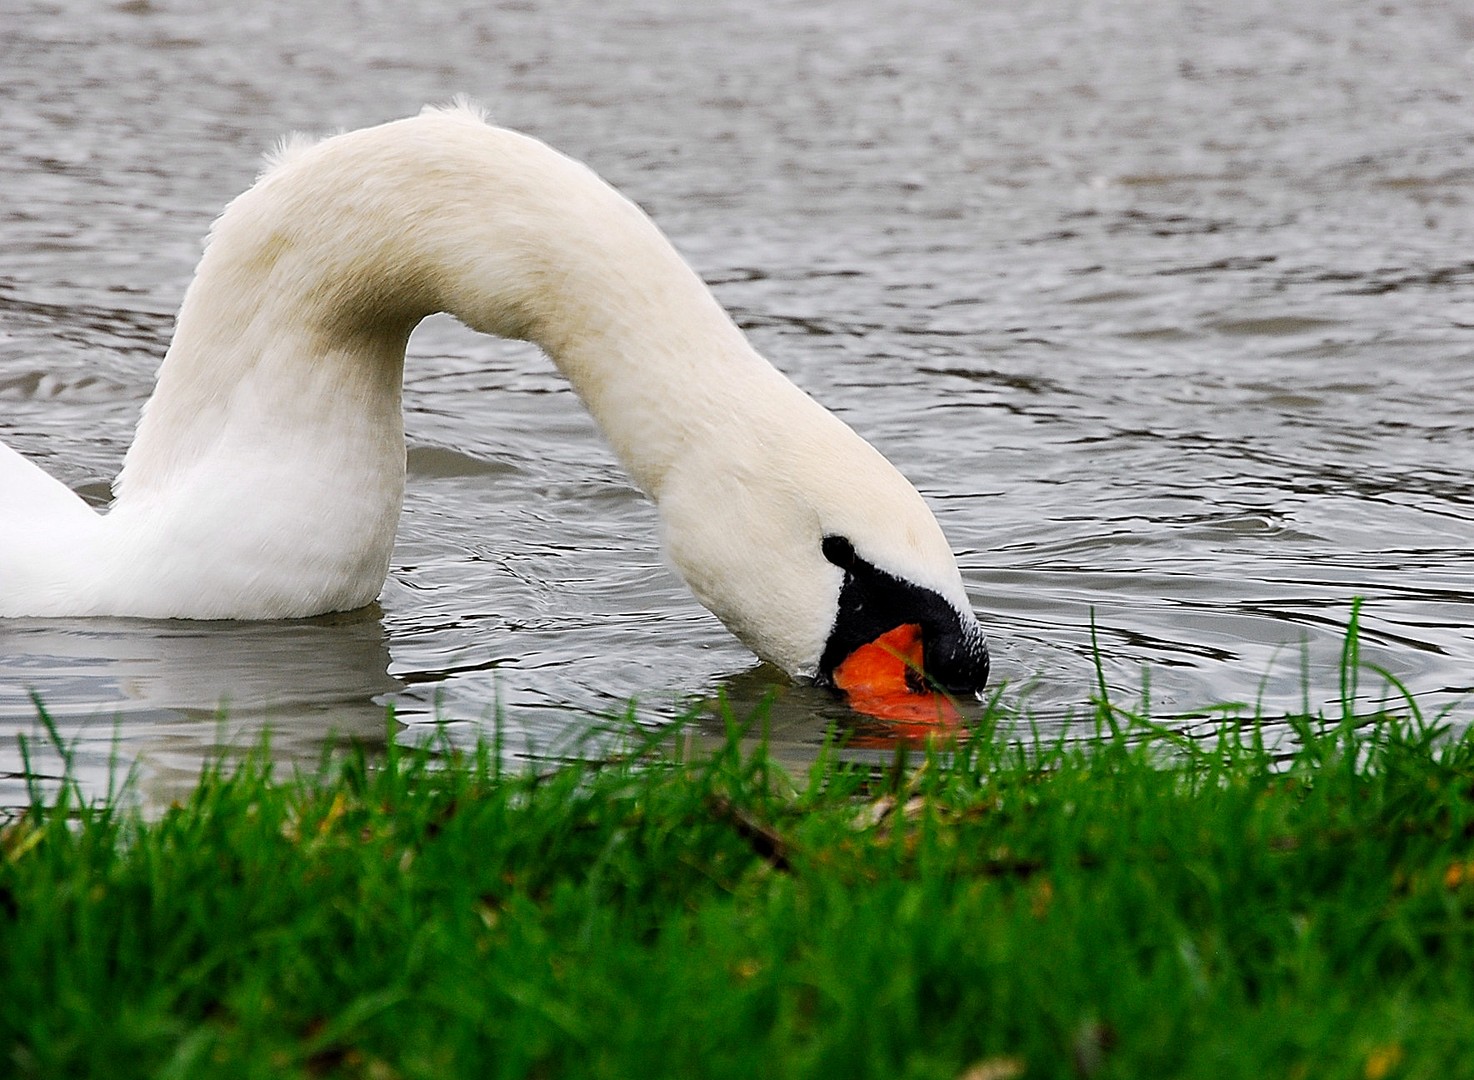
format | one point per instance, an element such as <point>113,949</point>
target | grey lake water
<point>1167,308</point>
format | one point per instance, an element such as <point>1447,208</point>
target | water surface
<point>1169,311</point>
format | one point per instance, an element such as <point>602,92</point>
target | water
<point>1169,311</point>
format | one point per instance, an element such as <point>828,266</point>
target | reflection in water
<point>177,692</point>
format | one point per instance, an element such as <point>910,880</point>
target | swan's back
<point>32,500</point>
<point>44,527</point>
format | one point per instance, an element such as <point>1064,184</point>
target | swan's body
<point>267,473</point>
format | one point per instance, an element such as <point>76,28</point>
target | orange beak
<point>878,680</point>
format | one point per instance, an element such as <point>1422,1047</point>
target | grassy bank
<point>1132,905</point>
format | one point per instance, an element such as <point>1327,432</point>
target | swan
<point>267,470</point>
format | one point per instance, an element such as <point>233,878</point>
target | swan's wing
<point>50,543</point>
<point>33,502</point>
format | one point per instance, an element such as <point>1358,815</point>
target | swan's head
<point>820,556</point>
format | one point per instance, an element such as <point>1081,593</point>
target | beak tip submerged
<point>887,679</point>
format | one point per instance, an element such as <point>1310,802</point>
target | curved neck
<point>299,314</point>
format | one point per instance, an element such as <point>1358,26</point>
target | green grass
<point>1134,904</point>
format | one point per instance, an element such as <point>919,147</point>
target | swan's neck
<point>303,303</point>
<point>278,402</point>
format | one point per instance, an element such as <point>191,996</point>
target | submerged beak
<point>885,679</point>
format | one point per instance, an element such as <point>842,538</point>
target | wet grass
<point>1137,904</point>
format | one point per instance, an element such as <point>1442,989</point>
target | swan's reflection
<point>161,697</point>
<point>794,720</point>
<point>176,693</point>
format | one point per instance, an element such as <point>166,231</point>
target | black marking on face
<point>873,602</point>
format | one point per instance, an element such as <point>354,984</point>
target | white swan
<point>267,472</point>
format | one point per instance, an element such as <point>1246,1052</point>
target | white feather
<point>267,472</point>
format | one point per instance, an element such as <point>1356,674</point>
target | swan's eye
<point>895,644</point>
